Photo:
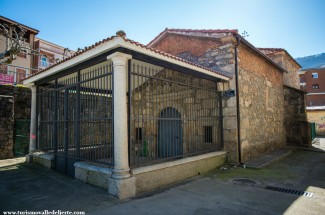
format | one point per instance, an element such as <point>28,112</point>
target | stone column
<point>33,124</point>
<point>121,184</point>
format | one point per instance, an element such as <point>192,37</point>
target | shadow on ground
<point>30,187</point>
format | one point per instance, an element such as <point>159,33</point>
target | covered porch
<point>127,114</point>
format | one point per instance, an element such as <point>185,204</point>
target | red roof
<point>207,31</point>
<point>132,42</point>
<point>271,51</point>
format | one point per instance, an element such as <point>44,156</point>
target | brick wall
<point>315,99</point>
<point>6,126</point>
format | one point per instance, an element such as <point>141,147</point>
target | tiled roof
<point>131,42</point>
<point>5,19</point>
<point>271,51</point>
<point>315,108</point>
<point>174,30</point>
<point>211,33</point>
<point>268,51</point>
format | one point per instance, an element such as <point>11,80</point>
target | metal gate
<point>21,137</point>
<point>75,117</point>
<point>171,114</point>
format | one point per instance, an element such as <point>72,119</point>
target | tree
<point>15,42</point>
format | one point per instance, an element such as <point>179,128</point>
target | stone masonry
<point>15,108</point>
<point>297,127</point>
<point>6,126</point>
<point>22,97</point>
<point>283,58</point>
<point>260,89</point>
<point>216,53</point>
<point>261,105</point>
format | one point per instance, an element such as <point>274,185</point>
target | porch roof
<point>119,43</point>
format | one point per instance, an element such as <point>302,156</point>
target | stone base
<point>29,158</point>
<point>159,175</point>
<point>43,159</point>
<point>122,188</point>
<point>93,174</point>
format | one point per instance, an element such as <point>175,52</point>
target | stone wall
<point>284,60</point>
<point>20,100</point>
<point>196,107</point>
<point>318,117</point>
<point>261,105</point>
<point>22,97</point>
<point>6,126</point>
<point>216,53</point>
<point>297,129</point>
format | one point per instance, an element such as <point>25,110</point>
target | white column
<point>121,161</point>
<point>33,124</point>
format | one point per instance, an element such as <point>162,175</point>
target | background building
<point>37,54</point>
<point>313,82</point>
<point>22,66</point>
<point>49,53</point>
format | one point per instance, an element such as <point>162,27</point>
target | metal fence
<point>172,114</point>
<point>21,137</point>
<point>75,115</point>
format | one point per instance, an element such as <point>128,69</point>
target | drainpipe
<point>238,38</point>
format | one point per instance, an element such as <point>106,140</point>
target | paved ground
<point>319,143</point>
<point>30,187</point>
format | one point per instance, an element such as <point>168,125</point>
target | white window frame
<point>314,75</point>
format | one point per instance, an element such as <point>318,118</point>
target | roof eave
<point>262,54</point>
<point>33,30</point>
<point>115,43</point>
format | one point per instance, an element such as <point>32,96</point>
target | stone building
<point>130,118</point>
<point>257,116</point>
<point>126,117</point>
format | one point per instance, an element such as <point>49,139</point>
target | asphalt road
<point>34,188</point>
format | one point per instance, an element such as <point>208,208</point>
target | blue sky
<point>296,25</point>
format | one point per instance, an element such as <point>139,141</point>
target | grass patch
<point>277,172</point>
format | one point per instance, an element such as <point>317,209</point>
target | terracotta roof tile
<point>270,50</point>
<point>132,42</point>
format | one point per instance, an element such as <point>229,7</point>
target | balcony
<point>14,75</point>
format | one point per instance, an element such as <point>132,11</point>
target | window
<point>315,75</point>
<point>44,61</point>
<point>315,86</point>
<point>208,134</point>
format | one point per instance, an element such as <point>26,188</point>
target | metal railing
<point>14,75</point>
<point>75,116</point>
<point>172,115</point>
